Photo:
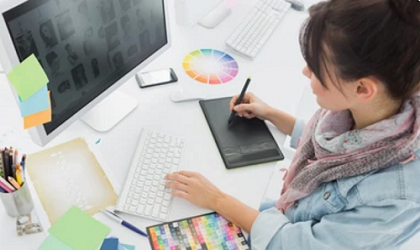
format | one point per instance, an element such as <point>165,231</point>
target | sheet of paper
<point>28,77</point>
<point>79,230</point>
<point>38,118</point>
<point>70,174</point>
<point>110,244</point>
<point>36,103</point>
<point>52,243</point>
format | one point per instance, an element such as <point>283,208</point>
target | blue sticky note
<point>121,247</point>
<point>52,243</point>
<point>110,244</point>
<point>129,247</point>
<point>36,103</point>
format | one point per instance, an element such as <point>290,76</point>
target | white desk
<point>277,79</point>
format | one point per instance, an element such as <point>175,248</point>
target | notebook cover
<point>245,142</point>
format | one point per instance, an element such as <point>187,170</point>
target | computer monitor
<point>88,48</point>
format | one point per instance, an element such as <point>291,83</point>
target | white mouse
<point>297,4</point>
<point>182,95</point>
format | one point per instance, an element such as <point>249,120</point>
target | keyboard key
<point>162,216</point>
<point>167,197</point>
<point>156,210</point>
<point>140,209</point>
<point>148,210</point>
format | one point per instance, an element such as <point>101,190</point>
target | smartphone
<point>156,77</point>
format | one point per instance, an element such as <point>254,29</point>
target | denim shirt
<point>377,210</point>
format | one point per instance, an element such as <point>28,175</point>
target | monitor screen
<point>85,46</point>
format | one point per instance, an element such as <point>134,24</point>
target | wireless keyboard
<point>144,192</point>
<point>255,30</point>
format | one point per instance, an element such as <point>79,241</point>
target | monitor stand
<point>110,111</point>
<point>216,16</point>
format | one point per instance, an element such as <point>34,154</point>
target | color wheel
<point>210,66</point>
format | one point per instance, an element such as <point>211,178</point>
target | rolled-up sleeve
<point>374,226</point>
<point>297,132</point>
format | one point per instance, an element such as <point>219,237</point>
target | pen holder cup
<point>19,202</point>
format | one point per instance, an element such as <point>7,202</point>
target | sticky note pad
<point>38,118</point>
<point>52,243</point>
<point>28,77</point>
<point>78,230</point>
<point>129,247</point>
<point>36,103</point>
<point>110,244</point>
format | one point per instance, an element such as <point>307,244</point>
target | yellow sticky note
<point>28,77</point>
<point>38,118</point>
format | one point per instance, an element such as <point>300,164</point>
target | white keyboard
<point>144,192</point>
<point>254,31</point>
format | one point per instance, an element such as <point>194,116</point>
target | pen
<point>14,183</point>
<point>11,167</point>
<point>118,219</point>
<point>239,100</point>
<point>22,164</point>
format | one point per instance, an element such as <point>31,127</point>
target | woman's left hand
<point>195,188</point>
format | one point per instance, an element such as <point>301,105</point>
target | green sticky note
<point>78,230</point>
<point>28,77</point>
<point>52,243</point>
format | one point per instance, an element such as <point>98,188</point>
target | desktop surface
<point>277,79</point>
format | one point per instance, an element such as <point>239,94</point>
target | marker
<point>14,182</point>
<point>19,174</point>
<point>118,219</point>
<point>238,101</point>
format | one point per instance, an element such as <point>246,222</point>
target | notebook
<point>208,231</point>
<point>245,142</point>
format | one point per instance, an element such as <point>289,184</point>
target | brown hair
<point>379,38</point>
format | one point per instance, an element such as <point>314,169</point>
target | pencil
<point>6,162</point>
<point>6,185</point>
<point>1,163</point>
<point>14,183</point>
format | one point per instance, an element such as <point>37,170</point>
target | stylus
<point>241,96</point>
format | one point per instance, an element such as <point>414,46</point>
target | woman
<point>354,180</point>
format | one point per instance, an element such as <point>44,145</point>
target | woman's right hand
<point>250,107</point>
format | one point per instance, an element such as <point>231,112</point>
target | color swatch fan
<point>210,66</point>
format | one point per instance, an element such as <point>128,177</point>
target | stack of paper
<point>77,230</point>
<point>30,82</point>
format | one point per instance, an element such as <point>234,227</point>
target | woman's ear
<point>366,89</point>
